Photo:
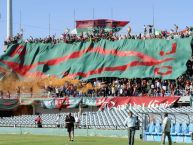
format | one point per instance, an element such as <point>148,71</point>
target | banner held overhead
<point>165,59</point>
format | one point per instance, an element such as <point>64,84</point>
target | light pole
<point>9,19</point>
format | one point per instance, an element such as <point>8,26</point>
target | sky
<point>33,15</point>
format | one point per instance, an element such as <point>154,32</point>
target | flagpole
<point>0,12</point>
<point>153,15</point>
<point>74,14</point>
<point>153,18</point>
<point>111,13</point>
<point>93,13</point>
<point>49,25</point>
<point>9,19</point>
<point>20,20</point>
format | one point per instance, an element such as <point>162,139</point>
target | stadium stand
<point>150,118</point>
<point>113,118</point>
<point>182,121</point>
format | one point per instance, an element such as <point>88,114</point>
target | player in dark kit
<point>69,124</point>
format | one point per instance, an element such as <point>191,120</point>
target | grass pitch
<point>59,140</point>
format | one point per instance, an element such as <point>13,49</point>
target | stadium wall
<point>40,110</point>
<point>20,110</point>
<point>63,132</point>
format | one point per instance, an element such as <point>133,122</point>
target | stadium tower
<point>9,19</point>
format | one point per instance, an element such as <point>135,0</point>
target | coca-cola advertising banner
<point>145,101</point>
<point>110,102</point>
<point>101,102</point>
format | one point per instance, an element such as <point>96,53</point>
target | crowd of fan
<point>128,87</point>
<point>67,37</point>
<point>122,87</point>
<point>182,86</point>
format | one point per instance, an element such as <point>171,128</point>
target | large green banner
<point>155,58</point>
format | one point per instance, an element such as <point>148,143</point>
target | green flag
<point>155,58</point>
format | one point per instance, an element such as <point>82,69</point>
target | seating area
<point>112,118</point>
<point>181,130</point>
<point>49,120</point>
<point>182,123</point>
<point>109,119</point>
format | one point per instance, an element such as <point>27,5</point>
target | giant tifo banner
<point>110,102</point>
<point>100,24</point>
<point>156,58</point>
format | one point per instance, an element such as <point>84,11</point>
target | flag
<point>48,104</point>
<point>154,58</point>
<point>100,24</point>
<point>158,32</point>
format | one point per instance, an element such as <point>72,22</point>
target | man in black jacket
<point>69,123</point>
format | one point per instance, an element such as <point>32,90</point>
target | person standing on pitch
<point>166,130</point>
<point>69,124</point>
<point>38,121</point>
<point>130,122</point>
<point>58,121</point>
<point>76,121</point>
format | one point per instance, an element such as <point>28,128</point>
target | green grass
<point>59,140</point>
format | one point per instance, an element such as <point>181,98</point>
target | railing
<point>51,95</point>
<point>115,127</point>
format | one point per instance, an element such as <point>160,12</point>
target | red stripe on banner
<point>119,68</point>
